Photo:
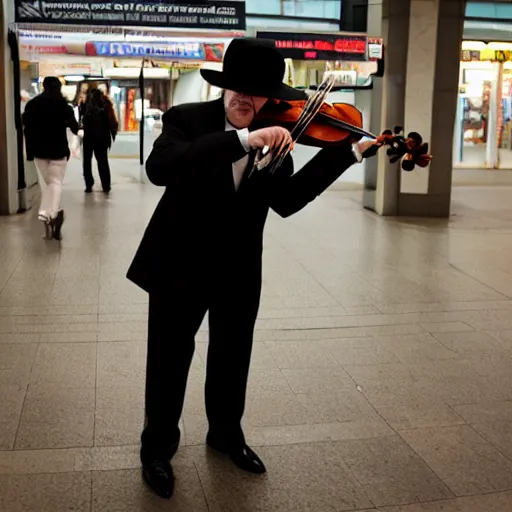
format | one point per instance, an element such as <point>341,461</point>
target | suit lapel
<point>213,120</point>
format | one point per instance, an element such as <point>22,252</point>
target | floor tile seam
<point>273,359</point>
<point>479,281</point>
<point>341,328</point>
<point>359,389</point>
<point>433,336</point>
<point>27,387</point>
<point>203,489</point>
<point>448,488</point>
<point>95,411</point>
<point>397,433</point>
<point>12,273</point>
<point>44,315</point>
<point>329,294</point>
<point>482,436</point>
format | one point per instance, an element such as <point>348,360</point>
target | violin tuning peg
<point>416,137</point>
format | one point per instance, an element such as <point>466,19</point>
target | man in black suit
<point>202,250</point>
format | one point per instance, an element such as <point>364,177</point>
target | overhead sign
<point>209,52</point>
<point>210,14</point>
<point>319,46</point>
<point>171,50</point>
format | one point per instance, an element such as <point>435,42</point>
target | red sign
<point>344,45</point>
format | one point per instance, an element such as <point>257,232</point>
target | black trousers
<point>100,152</point>
<point>174,319</point>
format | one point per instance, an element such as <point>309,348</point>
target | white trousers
<point>51,176</point>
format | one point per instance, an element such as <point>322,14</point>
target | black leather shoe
<point>57,225</point>
<point>159,476</point>
<point>241,455</point>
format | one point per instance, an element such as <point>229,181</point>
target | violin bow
<point>264,159</point>
<point>310,110</point>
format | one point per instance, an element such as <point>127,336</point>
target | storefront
<point>483,128</point>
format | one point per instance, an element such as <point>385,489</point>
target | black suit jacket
<point>202,225</point>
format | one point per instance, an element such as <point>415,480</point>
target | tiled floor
<point>381,373</point>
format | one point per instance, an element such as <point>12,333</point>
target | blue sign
<point>193,51</point>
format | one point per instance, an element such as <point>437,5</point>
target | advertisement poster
<point>212,14</point>
<point>172,50</point>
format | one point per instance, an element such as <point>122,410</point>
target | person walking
<point>46,119</point>
<point>100,126</point>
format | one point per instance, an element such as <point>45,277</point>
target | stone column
<point>435,37</point>
<point>8,152</point>
<point>423,41</point>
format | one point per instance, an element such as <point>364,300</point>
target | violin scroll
<point>411,149</point>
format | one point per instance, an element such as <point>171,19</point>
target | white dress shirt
<point>240,166</point>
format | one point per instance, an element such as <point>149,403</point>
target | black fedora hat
<point>253,67</point>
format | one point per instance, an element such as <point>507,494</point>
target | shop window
<point>498,11</point>
<point>321,9</point>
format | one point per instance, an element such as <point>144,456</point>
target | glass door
<point>477,116</point>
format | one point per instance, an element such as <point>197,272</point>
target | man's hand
<point>365,144</point>
<point>275,138</point>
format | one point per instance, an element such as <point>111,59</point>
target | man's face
<point>242,109</point>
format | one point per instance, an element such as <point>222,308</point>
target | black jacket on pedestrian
<point>46,120</point>
<point>202,226</point>
<point>99,123</point>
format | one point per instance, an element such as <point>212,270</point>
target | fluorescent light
<point>500,46</point>
<point>473,45</point>
<point>135,72</point>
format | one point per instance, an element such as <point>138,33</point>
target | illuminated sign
<point>336,45</point>
<point>319,46</point>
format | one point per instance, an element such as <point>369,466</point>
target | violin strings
<point>309,111</point>
<point>311,108</point>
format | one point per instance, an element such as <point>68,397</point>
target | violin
<point>314,122</point>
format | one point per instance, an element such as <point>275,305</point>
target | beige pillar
<point>387,19</point>
<point>8,154</point>
<point>431,101</point>
<point>425,101</point>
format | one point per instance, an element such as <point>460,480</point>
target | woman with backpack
<point>46,119</point>
<point>99,124</point>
